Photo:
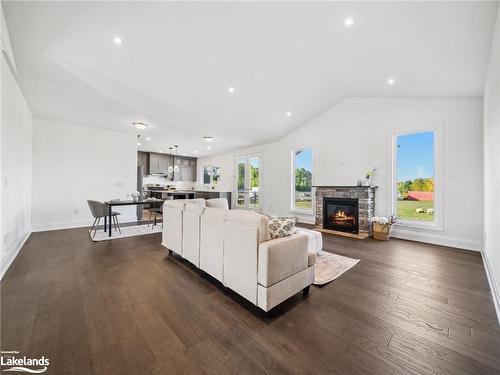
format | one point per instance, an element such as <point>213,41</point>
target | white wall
<point>491,253</point>
<point>353,136</point>
<point>17,123</point>
<point>73,163</point>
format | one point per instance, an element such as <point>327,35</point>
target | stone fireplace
<point>345,209</point>
<point>341,214</point>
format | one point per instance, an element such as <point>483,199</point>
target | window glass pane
<point>415,176</point>
<point>215,175</point>
<point>240,177</point>
<point>206,175</point>
<point>254,183</point>
<point>302,179</point>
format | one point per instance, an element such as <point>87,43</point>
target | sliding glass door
<point>248,171</point>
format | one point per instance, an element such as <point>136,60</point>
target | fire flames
<point>342,216</point>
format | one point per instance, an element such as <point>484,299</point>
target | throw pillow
<point>281,226</point>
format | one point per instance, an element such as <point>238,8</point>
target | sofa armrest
<point>281,258</point>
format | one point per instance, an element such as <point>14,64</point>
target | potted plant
<point>369,175</point>
<point>382,226</point>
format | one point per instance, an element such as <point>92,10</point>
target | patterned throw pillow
<point>281,226</point>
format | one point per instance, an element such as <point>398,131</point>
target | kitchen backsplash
<point>164,181</point>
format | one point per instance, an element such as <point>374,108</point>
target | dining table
<point>127,202</point>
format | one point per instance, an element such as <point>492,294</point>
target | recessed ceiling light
<point>348,22</point>
<point>160,151</point>
<point>289,114</point>
<point>195,151</point>
<point>184,154</point>
<point>148,138</point>
<point>231,90</point>
<point>208,148</point>
<point>140,125</point>
<point>208,139</point>
<point>391,81</point>
<point>117,40</point>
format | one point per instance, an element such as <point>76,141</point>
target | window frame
<point>437,129</point>
<point>211,177</point>
<point>292,180</point>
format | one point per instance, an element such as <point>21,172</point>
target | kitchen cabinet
<point>143,161</point>
<point>187,169</point>
<point>159,163</point>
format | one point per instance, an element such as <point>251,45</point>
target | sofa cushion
<point>281,227</point>
<point>253,219</point>
<point>195,208</point>
<point>218,203</point>
<point>315,239</point>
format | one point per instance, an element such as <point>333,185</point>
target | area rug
<point>330,266</point>
<point>135,230</point>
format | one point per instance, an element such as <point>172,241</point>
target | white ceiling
<point>178,59</point>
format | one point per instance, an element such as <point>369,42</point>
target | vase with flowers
<point>369,175</point>
<point>382,226</point>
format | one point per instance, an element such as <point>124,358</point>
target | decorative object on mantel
<point>382,226</point>
<point>368,177</point>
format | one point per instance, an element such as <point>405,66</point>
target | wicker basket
<point>381,232</point>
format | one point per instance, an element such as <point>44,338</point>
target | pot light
<point>348,22</point>
<point>391,81</point>
<point>208,139</point>
<point>117,40</point>
<point>231,90</point>
<point>208,148</point>
<point>184,154</point>
<point>195,151</point>
<point>289,114</point>
<point>160,151</point>
<point>140,125</point>
<point>148,138</point>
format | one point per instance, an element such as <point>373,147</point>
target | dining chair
<point>100,210</point>
<point>154,211</point>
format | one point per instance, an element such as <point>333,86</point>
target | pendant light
<point>171,168</point>
<point>176,166</point>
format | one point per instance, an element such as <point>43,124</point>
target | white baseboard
<point>75,224</point>
<point>436,239</point>
<point>13,252</point>
<point>495,293</point>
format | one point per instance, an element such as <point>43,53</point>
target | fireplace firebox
<point>341,214</point>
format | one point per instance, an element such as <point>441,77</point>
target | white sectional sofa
<point>234,247</point>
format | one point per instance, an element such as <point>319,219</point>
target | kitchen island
<point>192,194</point>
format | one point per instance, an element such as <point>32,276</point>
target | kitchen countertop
<point>185,191</point>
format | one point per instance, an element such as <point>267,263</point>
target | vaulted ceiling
<point>178,60</point>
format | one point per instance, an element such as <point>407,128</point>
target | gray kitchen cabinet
<point>143,161</point>
<point>187,169</point>
<point>154,164</point>
<point>158,163</point>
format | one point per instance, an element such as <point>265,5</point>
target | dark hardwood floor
<point>126,307</point>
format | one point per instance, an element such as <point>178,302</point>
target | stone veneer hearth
<point>366,202</point>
